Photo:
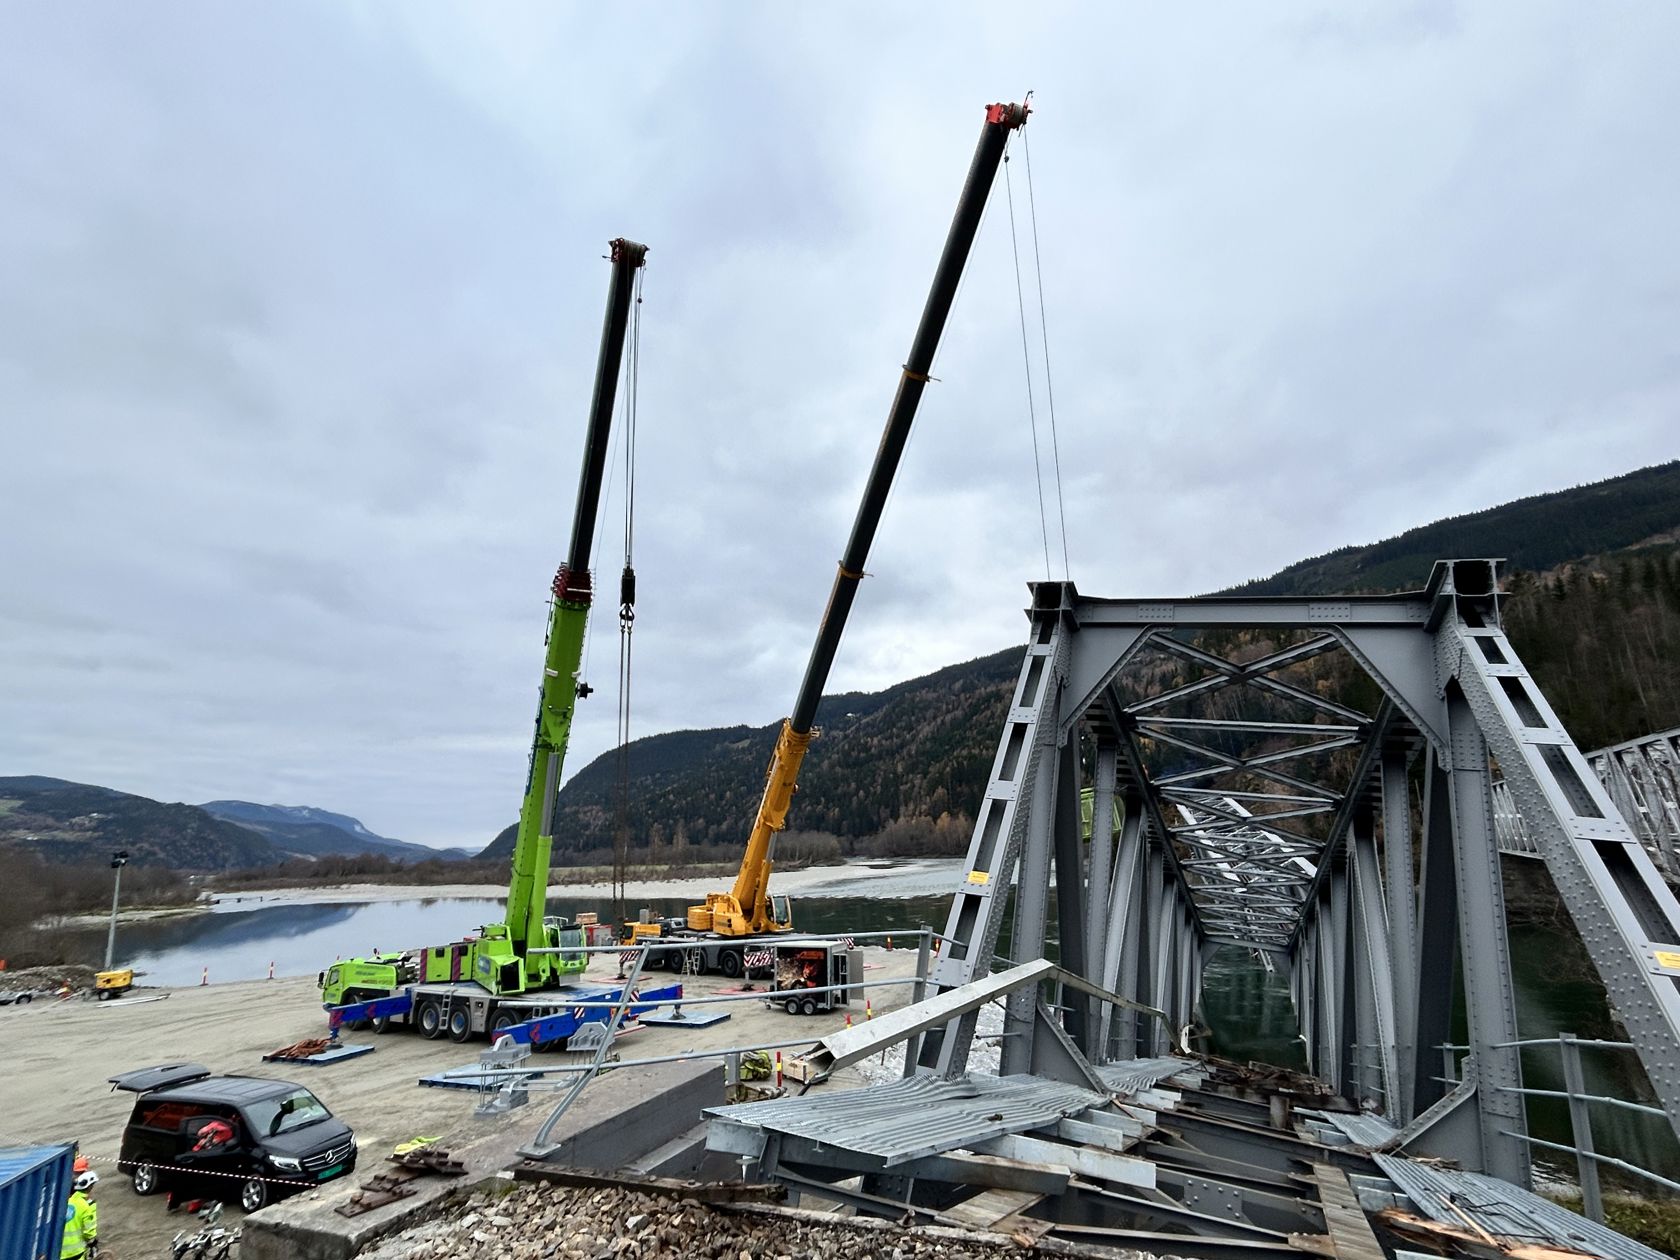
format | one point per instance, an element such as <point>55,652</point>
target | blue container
<point>34,1188</point>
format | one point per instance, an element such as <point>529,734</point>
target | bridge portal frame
<point>1370,949</point>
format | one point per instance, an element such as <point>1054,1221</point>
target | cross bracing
<point>1313,779</point>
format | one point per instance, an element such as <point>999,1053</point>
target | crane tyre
<point>697,962</point>
<point>460,1024</point>
<point>428,1018</point>
<point>502,1021</point>
<point>729,962</point>
<point>381,1023</point>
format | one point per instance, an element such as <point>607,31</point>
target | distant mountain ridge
<point>306,831</point>
<point>1537,533</point>
<point>79,823</point>
<point>924,747</point>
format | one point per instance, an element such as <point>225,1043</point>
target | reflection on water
<point>238,943</point>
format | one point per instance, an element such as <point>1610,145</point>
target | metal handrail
<point>1574,1092</point>
<point>1597,1158</point>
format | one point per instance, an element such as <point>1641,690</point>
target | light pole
<point>118,861</point>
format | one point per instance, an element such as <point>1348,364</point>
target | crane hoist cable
<point>1026,360</point>
<point>627,607</point>
<point>1044,332</point>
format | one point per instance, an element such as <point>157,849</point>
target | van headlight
<point>285,1163</point>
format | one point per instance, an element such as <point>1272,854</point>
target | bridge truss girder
<point>1226,840</point>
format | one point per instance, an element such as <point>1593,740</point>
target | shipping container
<point>34,1188</point>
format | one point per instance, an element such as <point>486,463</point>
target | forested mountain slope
<point>1594,609</point>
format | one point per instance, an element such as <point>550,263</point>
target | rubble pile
<point>542,1222</point>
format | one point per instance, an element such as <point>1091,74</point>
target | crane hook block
<point>627,589</point>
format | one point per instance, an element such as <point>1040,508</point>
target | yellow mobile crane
<point>748,908</point>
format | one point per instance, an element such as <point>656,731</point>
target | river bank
<point>919,875</point>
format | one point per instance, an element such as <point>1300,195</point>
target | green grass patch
<point>1654,1222</point>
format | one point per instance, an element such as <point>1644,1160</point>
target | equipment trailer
<point>465,1010</point>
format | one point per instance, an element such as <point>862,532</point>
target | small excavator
<point>748,909</point>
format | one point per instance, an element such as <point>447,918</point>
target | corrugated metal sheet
<point>1368,1132</point>
<point>1129,1076</point>
<point>923,1115</point>
<point>1501,1208</point>
<point>34,1185</point>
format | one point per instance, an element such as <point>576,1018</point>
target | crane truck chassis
<point>464,1010</point>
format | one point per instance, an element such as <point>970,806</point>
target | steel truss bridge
<point>1309,778</point>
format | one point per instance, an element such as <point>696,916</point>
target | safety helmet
<point>87,1180</point>
<point>81,1164</point>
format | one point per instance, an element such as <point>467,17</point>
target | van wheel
<point>143,1179</point>
<point>791,1006</point>
<point>430,1019</point>
<point>460,1024</point>
<point>24,999</point>
<point>729,962</point>
<point>253,1194</point>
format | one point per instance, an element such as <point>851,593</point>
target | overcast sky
<point>299,307</point>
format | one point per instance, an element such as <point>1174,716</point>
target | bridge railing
<point>1642,778</point>
<point>1581,1103</point>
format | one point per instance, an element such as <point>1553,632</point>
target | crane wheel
<point>460,1024</point>
<point>381,1023</point>
<point>429,1019</point>
<point>729,962</point>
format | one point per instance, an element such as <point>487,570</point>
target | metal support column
<point>1032,900</point>
<point>1489,997</point>
<point>1074,952</point>
<point>1378,1040</point>
<point>1098,893</point>
<point>1437,941</point>
<point>1117,1030</point>
<point>1399,877</point>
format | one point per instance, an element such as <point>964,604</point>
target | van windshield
<point>283,1114</point>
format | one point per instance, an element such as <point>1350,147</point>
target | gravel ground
<point>542,1222</point>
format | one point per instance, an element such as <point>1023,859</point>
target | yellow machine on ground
<point>112,984</point>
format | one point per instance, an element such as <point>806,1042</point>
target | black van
<point>282,1138</point>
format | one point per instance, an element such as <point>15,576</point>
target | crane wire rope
<point>627,607</point>
<point>1026,361</point>
<point>1049,385</point>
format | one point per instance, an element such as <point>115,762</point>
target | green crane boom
<point>568,619</point>
<point>499,957</point>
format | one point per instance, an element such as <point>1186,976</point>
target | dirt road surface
<point>58,1055</point>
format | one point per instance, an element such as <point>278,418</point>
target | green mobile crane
<point>498,959</point>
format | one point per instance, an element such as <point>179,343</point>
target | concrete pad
<point>622,1116</point>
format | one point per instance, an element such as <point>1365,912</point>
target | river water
<point>1247,1008</point>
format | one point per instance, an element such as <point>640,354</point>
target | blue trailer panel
<point>567,1022</point>
<point>34,1191</point>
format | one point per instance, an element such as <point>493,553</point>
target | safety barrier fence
<point>1581,1144</point>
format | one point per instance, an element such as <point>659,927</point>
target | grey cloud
<point>300,310</point>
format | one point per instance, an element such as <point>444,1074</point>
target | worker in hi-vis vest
<point>81,1217</point>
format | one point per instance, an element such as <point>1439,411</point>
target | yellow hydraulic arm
<point>747,909</point>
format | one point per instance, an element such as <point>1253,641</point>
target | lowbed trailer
<point>466,1010</point>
